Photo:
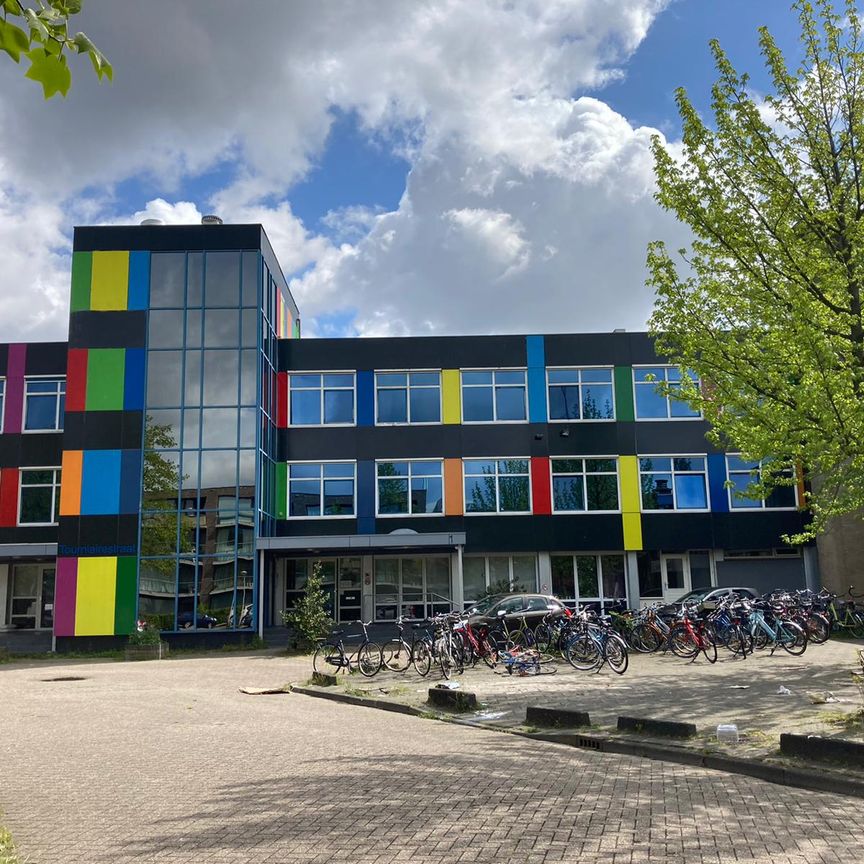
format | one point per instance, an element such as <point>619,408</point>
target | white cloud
<point>519,191</point>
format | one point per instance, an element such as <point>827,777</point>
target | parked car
<point>708,596</point>
<point>516,607</point>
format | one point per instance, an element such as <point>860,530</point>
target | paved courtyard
<point>169,762</point>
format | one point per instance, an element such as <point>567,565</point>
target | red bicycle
<point>475,642</point>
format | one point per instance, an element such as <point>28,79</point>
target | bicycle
<point>687,641</point>
<point>589,645</point>
<point>398,655</point>
<point>777,632</point>
<point>331,656</point>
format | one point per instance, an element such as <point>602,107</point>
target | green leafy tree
<point>766,304</point>
<point>40,33</point>
<point>309,617</point>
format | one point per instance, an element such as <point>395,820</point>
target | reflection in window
<point>39,496</point>
<point>743,473</point>
<point>594,579</point>
<point>415,588</point>
<point>490,396</point>
<point>321,489</point>
<point>44,403</point>
<point>222,279</point>
<point>581,394</point>
<point>651,403</point>
<point>221,377</point>
<point>673,483</point>
<point>497,486</point>
<point>321,398</point>
<point>164,375</point>
<point>167,279</point>
<point>410,487</point>
<point>497,574</point>
<point>408,397</point>
<point>584,485</point>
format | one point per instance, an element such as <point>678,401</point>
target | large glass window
<point>673,483</point>
<point>581,394</point>
<point>44,404</point>
<point>742,473</point>
<point>322,398</point>
<point>494,396</point>
<point>596,579</point>
<point>39,496</point>
<point>584,485</point>
<point>318,489</point>
<point>497,486</point>
<point>497,573</point>
<point>651,403</point>
<point>414,588</point>
<point>30,599</point>
<point>408,397</point>
<point>410,488</point>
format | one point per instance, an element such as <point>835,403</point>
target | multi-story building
<point>186,458</point>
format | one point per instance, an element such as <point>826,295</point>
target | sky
<point>424,167</point>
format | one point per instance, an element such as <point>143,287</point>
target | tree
<point>309,617</point>
<point>43,38</point>
<point>768,308</point>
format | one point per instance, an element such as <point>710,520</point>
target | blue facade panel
<point>130,480</point>
<point>366,497</point>
<point>365,397</point>
<point>133,380</point>
<point>536,354</point>
<point>716,483</point>
<point>100,483</point>
<point>139,280</point>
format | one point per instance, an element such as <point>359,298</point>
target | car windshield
<point>696,594</point>
<point>487,603</point>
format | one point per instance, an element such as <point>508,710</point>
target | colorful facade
<point>185,459</point>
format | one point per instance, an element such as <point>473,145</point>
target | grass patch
<point>847,721</point>
<point>8,852</point>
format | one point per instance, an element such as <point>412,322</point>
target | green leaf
<point>13,7</point>
<point>50,71</point>
<point>37,28</point>
<point>13,40</point>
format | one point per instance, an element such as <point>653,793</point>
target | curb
<point>814,779</point>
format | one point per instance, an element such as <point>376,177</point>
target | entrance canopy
<point>360,542</point>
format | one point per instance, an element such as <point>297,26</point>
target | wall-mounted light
<point>564,433</point>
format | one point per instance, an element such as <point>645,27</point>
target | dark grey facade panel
<point>311,527</point>
<point>112,535</point>
<point>166,238</point>
<point>108,329</point>
<point>761,574</point>
<point>673,436</point>
<point>674,532</point>
<point>90,430</point>
<point>755,530</point>
<point>599,349</point>
<point>46,358</point>
<point>38,534</point>
<point>430,352</point>
<point>33,449</point>
<point>590,439</point>
<point>4,358</point>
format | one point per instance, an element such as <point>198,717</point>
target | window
<point>410,488</point>
<point>742,473</point>
<point>494,396</point>
<point>584,485</point>
<point>322,398</point>
<point>318,489</point>
<point>651,404</point>
<point>581,394</point>
<point>673,483</point>
<point>408,397</point>
<point>44,404</point>
<point>39,496</point>
<point>414,588</point>
<point>497,486</point>
<point>499,573</point>
<point>588,579</point>
<point>2,400</point>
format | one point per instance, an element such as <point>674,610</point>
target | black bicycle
<point>331,655</point>
<point>399,654</point>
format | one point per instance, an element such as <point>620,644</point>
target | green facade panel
<point>281,490</point>
<point>105,371</point>
<point>624,393</point>
<point>82,274</point>
<point>126,597</point>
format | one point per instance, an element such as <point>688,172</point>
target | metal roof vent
<point>151,222</point>
<point>211,219</point>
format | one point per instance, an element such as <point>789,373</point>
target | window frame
<point>409,477</point>
<point>761,501</point>
<point>493,385</point>
<point>581,419</point>
<point>55,494</point>
<point>496,460</point>
<point>408,421</point>
<point>668,418</point>
<point>58,414</point>
<point>534,588</point>
<point>673,472</point>
<point>321,478</point>
<point>2,402</point>
<point>577,601</point>
<point>584,474</point>
<point>321,389</point>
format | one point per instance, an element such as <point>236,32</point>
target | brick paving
<point>168,762</point>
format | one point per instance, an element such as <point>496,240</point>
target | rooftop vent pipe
<point>152,222</point>
<point>211,219</point>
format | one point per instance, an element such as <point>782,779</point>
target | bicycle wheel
<point>369,659</point>
<point>760,638</point>
<point>708,645</point>
<point>397,655</point>
<point>543,638</point>
<point>489,651</point>
<point>856,626</point>
<point>739,641</point>
<point>681,642</point>
<point>791,638</point>
<point>583,653</point>
<point>818,629</point>
<point>615,653</point>
<point>524,638</point>
<point>328,659</point>
<point>421,657</point>
<point>646,638</point>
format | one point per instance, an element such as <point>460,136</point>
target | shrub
<point>309,616</point>
<point>145,637</point>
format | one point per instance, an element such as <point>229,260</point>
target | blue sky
<point>438,167</point>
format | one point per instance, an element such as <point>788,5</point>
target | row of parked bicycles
<point>589,640</point>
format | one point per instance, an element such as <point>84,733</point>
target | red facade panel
<point>541,490</point>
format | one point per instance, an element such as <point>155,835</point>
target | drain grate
<point>66,678</point>
<point>589,743</point>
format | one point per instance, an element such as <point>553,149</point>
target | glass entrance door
<point>31,597</point>
<point>675,570</point>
